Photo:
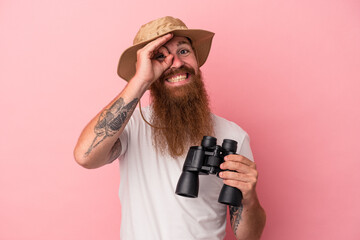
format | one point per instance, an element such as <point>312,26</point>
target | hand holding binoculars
<point>205,160</point>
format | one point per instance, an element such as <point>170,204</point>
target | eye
<point>184,51</point>
<point>160,57</point>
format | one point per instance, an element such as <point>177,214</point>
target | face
<point>184,65</point>
<point>179,100</point>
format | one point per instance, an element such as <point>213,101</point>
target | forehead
<point>177,41</point>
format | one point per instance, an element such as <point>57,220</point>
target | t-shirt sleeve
<point>245,149</point>
<point>131,129</point>
<point>124,139</point>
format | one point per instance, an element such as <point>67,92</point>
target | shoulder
<point>224,126</point>
<point>225,129</point>
<point>136,118</point>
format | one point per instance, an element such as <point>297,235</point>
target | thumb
<point>168,61</point>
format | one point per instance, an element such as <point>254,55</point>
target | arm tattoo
<point>235,216</point>
<point>111,120</point>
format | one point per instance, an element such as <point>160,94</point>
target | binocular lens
<point>230,196</point>
<point>188,184</point>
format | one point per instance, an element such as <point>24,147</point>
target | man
<point>165,58</point>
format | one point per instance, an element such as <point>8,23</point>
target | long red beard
<point>181,115</point>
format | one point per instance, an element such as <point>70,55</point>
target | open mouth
<point>178,78</point>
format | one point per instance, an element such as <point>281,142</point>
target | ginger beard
<point>181,114</point>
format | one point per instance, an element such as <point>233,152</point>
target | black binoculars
<point>204,160</point>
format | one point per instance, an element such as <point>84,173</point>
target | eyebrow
<point>179,44</point>
<point>183,42</point>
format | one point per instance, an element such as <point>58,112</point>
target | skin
<point>98,143</point>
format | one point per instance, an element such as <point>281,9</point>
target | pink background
<point>287,71</point>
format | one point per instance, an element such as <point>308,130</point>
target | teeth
<point>177,78</point>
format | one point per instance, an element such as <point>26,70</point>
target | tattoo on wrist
<point>235,216</point>
<point>111,120</point>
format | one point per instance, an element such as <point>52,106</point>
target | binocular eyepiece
<point>204,160</point>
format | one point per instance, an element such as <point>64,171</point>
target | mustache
<point>173,71</point>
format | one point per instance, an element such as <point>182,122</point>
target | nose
<point>177,62</point>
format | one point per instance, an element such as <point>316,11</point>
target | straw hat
<point>201,42</point>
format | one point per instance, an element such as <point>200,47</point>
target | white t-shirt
<point>150,209</point>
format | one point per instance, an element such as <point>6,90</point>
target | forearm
<point>99,142</point>
<point>248,220</point>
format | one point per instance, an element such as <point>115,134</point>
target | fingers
<point>238,163</point>
<point>230,175</point>
<point>161,61</point>
<point>164,57</point>
<point>242,174</point>
<point>239,158</point>
<point>150,66</point>
<point>153,46</point>
<point>167,61</point>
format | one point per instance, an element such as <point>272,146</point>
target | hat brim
<point>201,42</point>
